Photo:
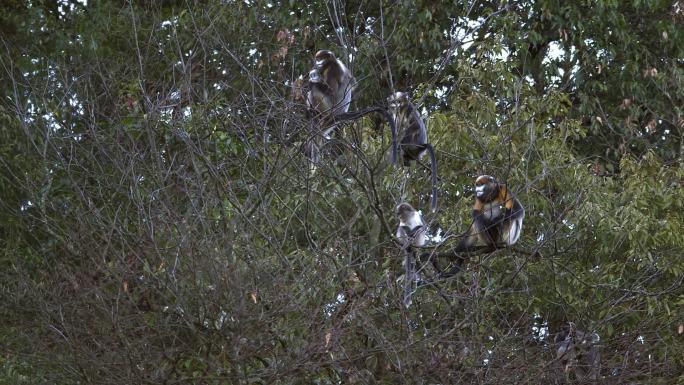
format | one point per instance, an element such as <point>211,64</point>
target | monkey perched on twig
<point>497,222</point>
<point>330,92</point>
<point>331,85</point>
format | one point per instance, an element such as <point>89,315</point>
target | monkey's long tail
<point>393,128</point>
<point>433,171</point>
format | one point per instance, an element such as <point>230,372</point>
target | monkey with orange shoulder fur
<point>497,222</point>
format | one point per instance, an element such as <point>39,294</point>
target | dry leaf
<point>282,34</point>
<point>328,337</point>
<point>650,72</point>
<point>298,89</point>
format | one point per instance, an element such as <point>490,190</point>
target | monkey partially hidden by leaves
<point>331,86</point>
<point>578,355</point>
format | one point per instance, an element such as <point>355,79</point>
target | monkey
<point>497,222</point>
<point>410,125</point>
<point>330,91</point>
<point>578,352</point>
<point>413,136</point>
<point>330,85</point>
<point>411,232</point>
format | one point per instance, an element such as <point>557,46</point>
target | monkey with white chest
<point>411,229</point>
<point>330,92</point>
<point>497,222</point>
<point>411,233</point>
<point>330,85</point>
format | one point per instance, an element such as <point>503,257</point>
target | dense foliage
<point>159,222</point>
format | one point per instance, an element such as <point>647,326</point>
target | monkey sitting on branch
<point>331,85</point>
<point>497,222</point>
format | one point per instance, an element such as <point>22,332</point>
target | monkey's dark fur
<point>497,222</point>
<point>413,136</point>
<point>330,92</point>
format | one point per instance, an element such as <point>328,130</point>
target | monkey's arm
<point>401,235</point>
<point>514,209</point>
<point>510,203</point>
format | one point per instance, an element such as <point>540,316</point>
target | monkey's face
<point>485,187</point>
<point>314,76</point>
<point>405,210</point>
<point>323,57</point>
<point>397,100</point>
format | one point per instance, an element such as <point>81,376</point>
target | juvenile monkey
<point>330,91</point>
<point>411,232</point>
